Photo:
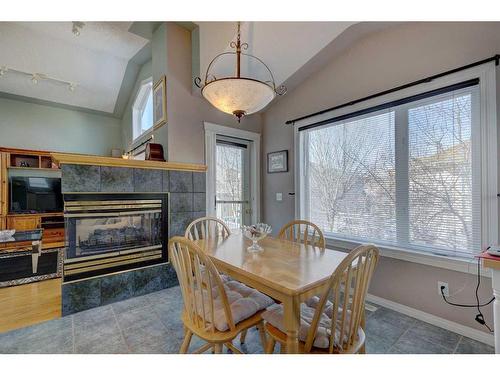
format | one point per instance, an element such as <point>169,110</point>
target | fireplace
<point>106,233</point>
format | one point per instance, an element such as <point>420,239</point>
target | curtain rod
<point>495,58</point>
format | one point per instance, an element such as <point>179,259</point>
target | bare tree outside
<point>351,177</point>
<point>352,180</point>
<point>440,174</point>
<point>229,184</point>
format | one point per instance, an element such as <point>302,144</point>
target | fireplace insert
<point>107,233</point>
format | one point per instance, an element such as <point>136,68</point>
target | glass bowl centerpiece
<point>255,233</point>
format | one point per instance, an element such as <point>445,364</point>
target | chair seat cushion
<point>243,302</point>
<point>314,301</point>
<point>274,316</point>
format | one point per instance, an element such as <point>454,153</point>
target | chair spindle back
<point>200,285</point>
<point>346,292</point>
<point>303,231</point>
<point>207,227</point>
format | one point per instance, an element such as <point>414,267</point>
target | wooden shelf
<point>46,214</point>
<point>35,168</point>
<point>125,163</point>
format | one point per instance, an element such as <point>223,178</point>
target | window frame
<point>138,107</point>
<point>486,142</point>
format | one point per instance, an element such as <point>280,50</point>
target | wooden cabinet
<point>24,222</point>
<point>53,236</point>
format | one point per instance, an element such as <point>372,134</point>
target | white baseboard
<point>472,333</point>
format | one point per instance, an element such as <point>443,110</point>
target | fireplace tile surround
<point>187,192</point>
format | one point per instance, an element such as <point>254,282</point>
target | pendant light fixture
<point>236,94</point>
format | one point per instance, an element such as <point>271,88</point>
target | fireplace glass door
<point>110,233</point>
<point>117,232</point>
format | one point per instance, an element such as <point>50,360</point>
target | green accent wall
<point>42,127</point>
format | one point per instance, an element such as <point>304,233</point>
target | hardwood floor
<point>25,305</point>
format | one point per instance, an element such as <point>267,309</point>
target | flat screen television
<point>35,194</point>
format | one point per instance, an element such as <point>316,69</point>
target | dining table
<point>289,272</point>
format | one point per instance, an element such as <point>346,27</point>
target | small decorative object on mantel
<point>160,102</point>
<point>154,151</point>
<point>256,233</point>
<point>277,161</point>
<point>116,153</point>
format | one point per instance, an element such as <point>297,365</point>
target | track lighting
<point>37,77</point>
<point>77,27</point>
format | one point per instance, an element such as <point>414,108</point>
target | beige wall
<point>380,61</point>
<point>186,110</point>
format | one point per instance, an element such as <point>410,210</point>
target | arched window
<point>142,109</point>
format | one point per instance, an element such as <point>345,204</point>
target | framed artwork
<point>160,102</point>
<point>277,161</point>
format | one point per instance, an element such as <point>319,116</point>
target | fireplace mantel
<point>78,159</point>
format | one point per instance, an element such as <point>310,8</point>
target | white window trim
<point>211,132</point>
<point>489,173</point>
<point>137,114</point>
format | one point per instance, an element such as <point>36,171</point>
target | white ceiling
<point>95,61</point>
<point>284,46</point>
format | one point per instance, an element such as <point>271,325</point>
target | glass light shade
<point>232,95</point>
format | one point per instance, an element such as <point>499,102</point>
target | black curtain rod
<point>495,58</point>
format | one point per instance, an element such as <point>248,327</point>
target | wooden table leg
<point>292,323</point>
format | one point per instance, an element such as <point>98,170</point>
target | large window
<point>401,175</point>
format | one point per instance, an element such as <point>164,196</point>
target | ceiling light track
<point>37,77</point>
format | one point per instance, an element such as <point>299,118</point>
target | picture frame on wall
<point>277,162</point>
<point>160,102</point>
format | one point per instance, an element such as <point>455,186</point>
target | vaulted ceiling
<point>284,46</point>
<point>95,61</point>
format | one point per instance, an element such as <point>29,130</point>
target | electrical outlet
<point>446,291</point>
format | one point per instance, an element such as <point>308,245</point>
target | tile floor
<point>151,324</point>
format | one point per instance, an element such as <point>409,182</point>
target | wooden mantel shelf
<point>60,159</point>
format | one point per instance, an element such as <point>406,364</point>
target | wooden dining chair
<point>210,227</point>
<point>303,231</point>
<point>213,310</point>
<point>334,325</point>
<point>207,227</point>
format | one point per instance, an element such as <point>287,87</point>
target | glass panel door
<point>232,182</point>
